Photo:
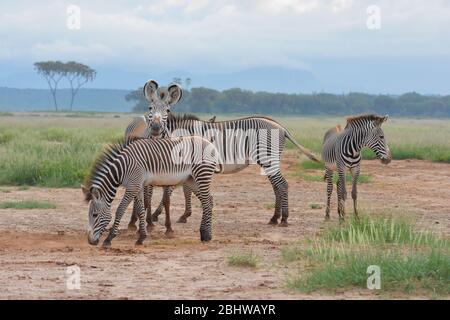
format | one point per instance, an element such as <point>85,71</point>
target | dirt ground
<point>36,246</point>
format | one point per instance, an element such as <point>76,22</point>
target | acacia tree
<point>78,74</point>
<point>53,72</point>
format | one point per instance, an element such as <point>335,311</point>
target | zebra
<point>136,163</point>
<point>160,99</point>
<point>251,139</point>
<point>342,151</point>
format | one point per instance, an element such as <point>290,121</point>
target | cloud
<point>221,34</point>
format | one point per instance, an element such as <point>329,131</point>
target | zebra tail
<point>307,152</point>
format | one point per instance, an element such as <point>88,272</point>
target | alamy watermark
<point>373,21</point>
<point>374,279</point>
<point>73,277</point>
<point>73,21</point>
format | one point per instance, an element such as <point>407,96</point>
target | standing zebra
<point>159,99</point>
<point>240,142</point>
<point>342,150</point>
<point>136,163</point>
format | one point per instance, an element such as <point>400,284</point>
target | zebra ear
<point>386,117</point>
<point>150,89</point>
<point>95,194</point>
<point>86,192</point>
<point>174,94</point>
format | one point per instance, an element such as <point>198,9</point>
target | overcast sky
<point>219,34</point>
<point>324,37</point>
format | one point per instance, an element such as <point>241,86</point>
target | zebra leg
<point>148,193</point>
<point>168,224</point>
<point>187,190</point>
<point>142,230</point>
<point>205,227</point>
<point>166,195</point>
<point>342,195</point>
<point>279,186</point>
<point>128,196</point>
<point>160,208</point>
<point>355,175</point>
<point>283,187</point>
<point>329,179</point>
<point>133,219</point>
<point>202,192</point>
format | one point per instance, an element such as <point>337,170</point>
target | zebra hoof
<point>283,224</point>
<point>205,236</point>
<point>139,242</point>
<point>273,222</point>
<point>106,244</point>
<point>182,219</point>
<point>131,227</point>
<point>170,234</point>
<point>154,217</point>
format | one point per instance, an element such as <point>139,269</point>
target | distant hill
<point>13,99</point>
<point>270,79</point>
<point>372,75</point>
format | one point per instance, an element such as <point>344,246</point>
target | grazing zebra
<point>136,163</point>
<point>160,99</point>
<point>240,142</point>
<point>342,150</point>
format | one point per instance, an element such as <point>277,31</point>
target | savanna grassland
<point>404,226</point>
<point>39,148</point>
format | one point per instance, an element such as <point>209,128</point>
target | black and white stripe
<point>342,151</point>
<point>240,142</point>
<point>141,162</point>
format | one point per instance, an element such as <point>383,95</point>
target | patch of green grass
<point>269,206</point>
<point>291,253</point>
<point>5,190</point>
<point>312,165</point>
<point>309,171</point>
<point>6,114</point>
<point>382,230</point>
<point>27,204</point>
<point>54,152</point>
<point>315,206</point>
<point>23,188</point>
<point>339,258</point>
<point>243,260</point>
<point>5,137</point>
<point>429,270</point>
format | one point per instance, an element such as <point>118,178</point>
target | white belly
<point>167,179</point>
<point>233,168</point>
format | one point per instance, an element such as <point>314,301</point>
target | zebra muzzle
<point>92,241</point>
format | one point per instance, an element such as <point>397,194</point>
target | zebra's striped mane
<point>109,154</point>
<point>181,117</point>
<point>378,120</point>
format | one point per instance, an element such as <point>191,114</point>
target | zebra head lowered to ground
<point>99,213</point>
<point>136,163</point>
<point>161,100</point>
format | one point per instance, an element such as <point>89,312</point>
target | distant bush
<point>205,100</point>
